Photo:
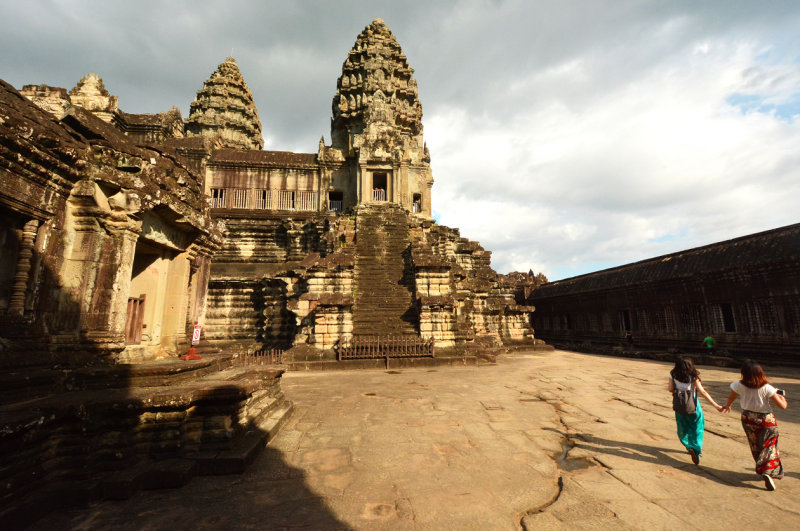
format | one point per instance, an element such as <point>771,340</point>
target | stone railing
<point>379,194</point>
<point>263,199</point>
<point>391,346</point>
<point>335,206</point>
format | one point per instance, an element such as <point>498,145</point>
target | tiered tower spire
<point>224,107</point>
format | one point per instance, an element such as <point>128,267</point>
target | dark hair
<point>684,370</point>
<point>753,375</point>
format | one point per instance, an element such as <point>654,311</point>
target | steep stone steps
<point>384,302</point>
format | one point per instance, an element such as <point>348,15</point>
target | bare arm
<point>707,396</point>
<point>779,401</point>
<point>671,385</point>
<point>731,397</point>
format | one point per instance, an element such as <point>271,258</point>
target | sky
<point>566,137</point>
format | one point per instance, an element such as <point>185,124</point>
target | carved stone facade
<point>100,225</point>
<point>106,246</point>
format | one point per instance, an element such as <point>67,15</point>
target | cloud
<point>659,163</point>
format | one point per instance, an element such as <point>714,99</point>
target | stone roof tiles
<point>271,158</point>
<point>763,248</point>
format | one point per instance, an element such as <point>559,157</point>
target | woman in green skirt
<point>684,380</point>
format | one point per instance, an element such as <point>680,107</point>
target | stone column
<point>16,304</point>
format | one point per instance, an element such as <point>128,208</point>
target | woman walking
<point>684,384</point>
<point>755,394</point>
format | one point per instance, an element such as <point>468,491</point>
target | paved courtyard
<point>553,440</point>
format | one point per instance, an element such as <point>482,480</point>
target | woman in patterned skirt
<point>755,394</point>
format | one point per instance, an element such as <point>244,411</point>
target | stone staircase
<point>235,309</point>
<point>385,300</point>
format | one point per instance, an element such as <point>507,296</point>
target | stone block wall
<point>96,439</point>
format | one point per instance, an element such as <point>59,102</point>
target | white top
<point>754,399</point>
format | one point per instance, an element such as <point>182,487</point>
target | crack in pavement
<point>561,460</point>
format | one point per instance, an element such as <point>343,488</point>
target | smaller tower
<point>91,94</point>
<point>224,108</point>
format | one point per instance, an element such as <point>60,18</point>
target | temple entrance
<point>416,205</point>
<point>148,276</point>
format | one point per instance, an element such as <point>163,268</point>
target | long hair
<point>684,370</point>
<point>753,375</point>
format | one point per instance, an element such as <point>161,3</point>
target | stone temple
<point>324,248</point>
<point>122,234</point>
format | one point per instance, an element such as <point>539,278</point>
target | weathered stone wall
<point>402,275</point>
<point>97,229</point>
<point>243,306</point>
<point>116,439</point>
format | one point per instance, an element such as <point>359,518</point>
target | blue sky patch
<point>748,103</point>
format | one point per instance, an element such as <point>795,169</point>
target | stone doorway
<point>148,280</point>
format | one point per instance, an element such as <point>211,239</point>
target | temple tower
<point>224,107</point>
<point>377,124</point>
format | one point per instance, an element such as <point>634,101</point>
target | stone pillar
<point>109,274</point>
<point>363,197</point>
<point>16,304</point>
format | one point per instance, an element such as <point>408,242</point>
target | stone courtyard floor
<point>546,440</point>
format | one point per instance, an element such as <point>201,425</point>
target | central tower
<point>377,124</point>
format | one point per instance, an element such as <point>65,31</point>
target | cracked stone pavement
<point>553,440</point>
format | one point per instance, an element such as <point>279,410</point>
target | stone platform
<point>545,440</point>
<point>106,432</point>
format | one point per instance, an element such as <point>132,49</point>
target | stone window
<point>335,201</point>
<point>793,317</point>
<point>642,320</point>
<point>218,198</point>
<point>762,317</point>
<point>286,200</point>
<point>416,205</point>
<point>722,318</point>
<point>690,319</point>
<point>261,199</point>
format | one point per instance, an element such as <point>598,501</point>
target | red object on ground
<point>191,355</point>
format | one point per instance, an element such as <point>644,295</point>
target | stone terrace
<point>553,440</point>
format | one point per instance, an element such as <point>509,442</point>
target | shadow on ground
<point>656,455</point>
<point>270,495</point>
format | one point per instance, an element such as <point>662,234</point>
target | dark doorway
<point>727,317</point>
<point>626,320</point>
